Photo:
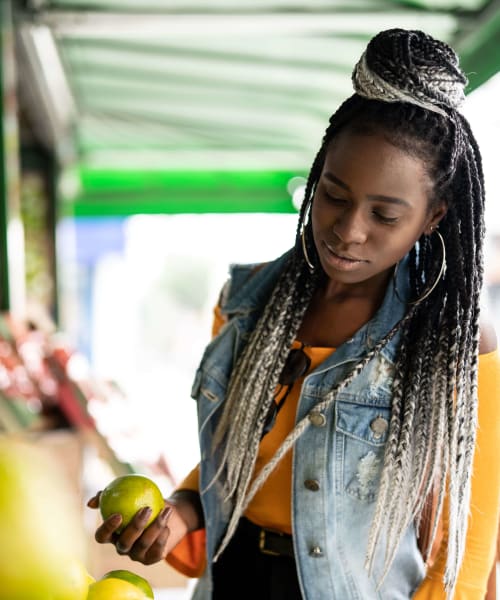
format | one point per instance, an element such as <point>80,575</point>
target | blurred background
<point>146,146</point>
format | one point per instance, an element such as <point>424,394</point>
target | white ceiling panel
<point>216,76</point>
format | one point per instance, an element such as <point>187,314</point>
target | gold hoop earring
<point>309,263</point>
<point>438,278</point>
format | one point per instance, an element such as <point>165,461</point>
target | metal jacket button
<point>316,552</point>
<point>312,484</point>
<point>317,419</point>
<point>379,426</point>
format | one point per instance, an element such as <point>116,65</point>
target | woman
<point>338,402</point>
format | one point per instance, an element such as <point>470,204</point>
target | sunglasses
<point>296,366</point>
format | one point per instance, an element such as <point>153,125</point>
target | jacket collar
<point>250,290</point>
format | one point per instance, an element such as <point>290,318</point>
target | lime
<point>128,494</point>
<point>137,580</point>
<point>114,589</point>
<point>75,584</point>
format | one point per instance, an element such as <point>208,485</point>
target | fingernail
<point>120,548</point>
<point>115,519</point>
<point>145,512</point>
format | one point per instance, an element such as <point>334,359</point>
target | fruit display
<point>47,430</point>
<point>127,494</point>
<point>36,389</point>
<point>47,385</point>
<point>41,537</point>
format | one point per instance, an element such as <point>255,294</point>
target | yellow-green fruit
<point>137,580</point>
<point>127,494</point>
<point>41,532</point>
<point>76,581</point>
<point>115,589</point>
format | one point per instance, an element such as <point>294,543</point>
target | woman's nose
<point>350,228</point>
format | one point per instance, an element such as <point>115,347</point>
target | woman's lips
<point>339,261</point>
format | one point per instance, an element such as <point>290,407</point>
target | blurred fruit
<point>137,580</point>
<point>76,582</point>
<point>115,589</point>
<point>41,533</point>
<point>128,494</point>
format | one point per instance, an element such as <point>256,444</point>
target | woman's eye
<point>387,220</point>
<point>335,200</point>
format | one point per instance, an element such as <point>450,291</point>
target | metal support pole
<point>12,279</point>
<point>4,271</point>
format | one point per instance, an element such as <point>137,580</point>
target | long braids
<point>254,379</point>
<point>434,410</point>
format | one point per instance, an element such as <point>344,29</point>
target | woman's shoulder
<point>251,283</point>
<point>487,335</point>
<point>239,275</point>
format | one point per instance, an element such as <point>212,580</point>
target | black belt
<point>268,541</point>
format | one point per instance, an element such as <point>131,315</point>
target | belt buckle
<point>262,544</point>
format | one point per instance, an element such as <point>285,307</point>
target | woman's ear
<point>436,214</point>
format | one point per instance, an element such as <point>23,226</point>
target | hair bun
<point>410,66</point>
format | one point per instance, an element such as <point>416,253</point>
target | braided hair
<point>408,88</point>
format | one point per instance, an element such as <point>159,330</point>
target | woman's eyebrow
<point>389,199</point>
<point>331,177</point>
<point>378,197</point>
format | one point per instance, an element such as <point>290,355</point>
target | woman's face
<point>370,206</point>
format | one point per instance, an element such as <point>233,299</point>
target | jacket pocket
<point>362,432</point>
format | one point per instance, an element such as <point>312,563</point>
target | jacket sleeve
<point>480,549</point>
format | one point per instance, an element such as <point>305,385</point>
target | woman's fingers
<point>149,546</point>
<point>133,531</point>
<point>94,501</point>
<point>146,544</point>
<point>105,533</point>
<point>157,550</point>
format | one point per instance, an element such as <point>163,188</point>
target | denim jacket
<point>342,450</point>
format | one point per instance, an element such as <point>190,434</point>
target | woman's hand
<point>150,544</point>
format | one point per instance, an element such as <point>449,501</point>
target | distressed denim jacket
<point>342,450</point>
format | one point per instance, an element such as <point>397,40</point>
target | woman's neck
<point>338,310</point>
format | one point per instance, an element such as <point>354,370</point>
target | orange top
<point>271,505</point>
